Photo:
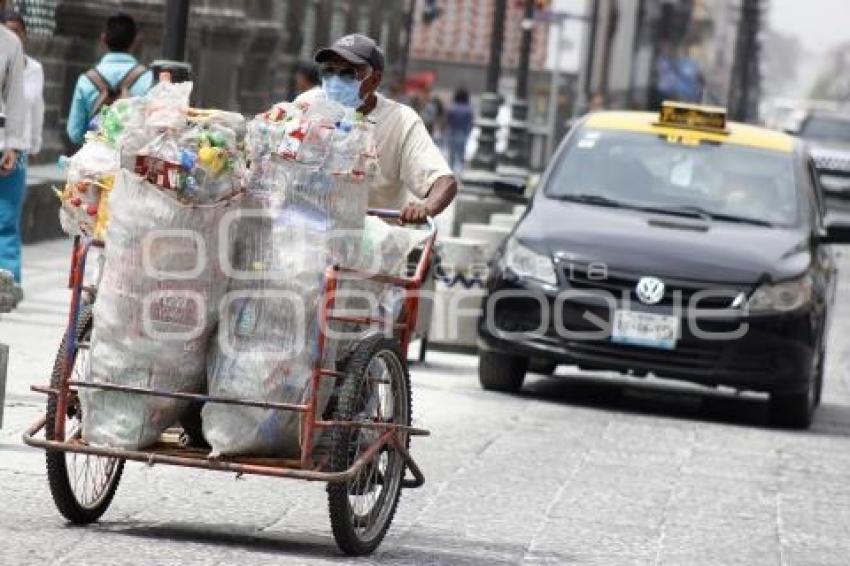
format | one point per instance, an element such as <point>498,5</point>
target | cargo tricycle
<point>363,449</point>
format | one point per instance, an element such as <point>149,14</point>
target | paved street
<point>577,469</point>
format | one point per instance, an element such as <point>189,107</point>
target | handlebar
<point>391,213</point>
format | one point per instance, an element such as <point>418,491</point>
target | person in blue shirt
<point>117,75</point>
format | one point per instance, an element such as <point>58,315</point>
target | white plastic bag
<point>90,176</point>
<point>267,342</point>
<point>167,105</point>
<point>156,307</point>
<point>385,249</point>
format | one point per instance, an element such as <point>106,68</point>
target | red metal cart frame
<point>308,466</point>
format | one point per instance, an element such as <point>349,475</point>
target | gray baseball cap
<point>355,48</point>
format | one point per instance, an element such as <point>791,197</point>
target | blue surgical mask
<point>344,91</point>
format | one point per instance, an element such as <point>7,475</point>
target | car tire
<point>501,372</point>
<point>797,410</point>
<point>791,410</point>
<point>542,366</point>
<point>819,379</point>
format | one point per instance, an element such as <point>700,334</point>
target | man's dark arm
<point>440,195</point>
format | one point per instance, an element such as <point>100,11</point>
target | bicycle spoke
<point>90,476</point>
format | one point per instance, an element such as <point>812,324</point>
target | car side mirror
<point>837,232</point>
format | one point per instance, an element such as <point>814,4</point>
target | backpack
<point>107,94</point>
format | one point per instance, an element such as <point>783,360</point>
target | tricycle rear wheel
<point>82,485</point>
<point>375,388</point>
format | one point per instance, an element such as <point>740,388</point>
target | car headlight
<point>781,297</point>
<point>525,262</point>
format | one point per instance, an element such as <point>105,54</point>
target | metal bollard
<point>4,367</point>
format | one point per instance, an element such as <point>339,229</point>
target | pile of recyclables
<point>217,236</point>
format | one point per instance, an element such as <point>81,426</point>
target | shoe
<point>7,291</point>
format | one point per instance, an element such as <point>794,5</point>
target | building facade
<point>456,45</point>
<point>462,33</point>
<point>629,37</point>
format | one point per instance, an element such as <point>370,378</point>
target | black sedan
<point>679,246</point>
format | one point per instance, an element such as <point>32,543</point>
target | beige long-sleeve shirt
<point>13,104</point>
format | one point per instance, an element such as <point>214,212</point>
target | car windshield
<point>826,129</point>
<point>722,181</point>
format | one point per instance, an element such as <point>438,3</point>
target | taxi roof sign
<point>693,116</point>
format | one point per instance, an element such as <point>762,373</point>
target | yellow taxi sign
<point>693,116</point>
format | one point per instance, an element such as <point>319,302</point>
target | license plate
<point>645,329</point>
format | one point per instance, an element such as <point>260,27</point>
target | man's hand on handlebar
<point>440,195</point>
<point>414,213</point>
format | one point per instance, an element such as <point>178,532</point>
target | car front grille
<point>832,163</point>
<point>700,295</point>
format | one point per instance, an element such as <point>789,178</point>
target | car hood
<point>665,245</point>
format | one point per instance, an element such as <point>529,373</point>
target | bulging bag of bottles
<point>89,179</point>
<point>302,216</point>
<point>199,165</point>
<point>155,311</point>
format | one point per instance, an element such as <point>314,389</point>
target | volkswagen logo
<point>650,290</point>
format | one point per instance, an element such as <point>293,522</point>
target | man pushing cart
<point>356,437</point>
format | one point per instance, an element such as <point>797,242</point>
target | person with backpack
<point>117,75</point>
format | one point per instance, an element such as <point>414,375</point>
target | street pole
<point>585,68</point>
<point>410,16</point>
<point>516,155</point>
<point>174,37</point>
<point>745,85</point>
<point>485,155</point>
<point>324,21</point>
<point>558,20</point>
<point>173,66</point>
<point>554,89</point>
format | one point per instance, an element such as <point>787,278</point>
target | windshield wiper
<point>587,198</point>
<point>683,210</point>
<point>742,219</point>
<point>698,211</point>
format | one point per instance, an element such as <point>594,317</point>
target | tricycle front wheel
<point>376,389</point>
<point>82,485</point>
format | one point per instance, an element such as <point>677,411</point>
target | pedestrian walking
<point>459,120</point>
<point>432,112</point>
<point>33,121</point>
<point>306,77</point>
<point>117,75</point>
<point>13,145</point>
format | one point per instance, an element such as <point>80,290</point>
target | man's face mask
<point>343,87</point>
